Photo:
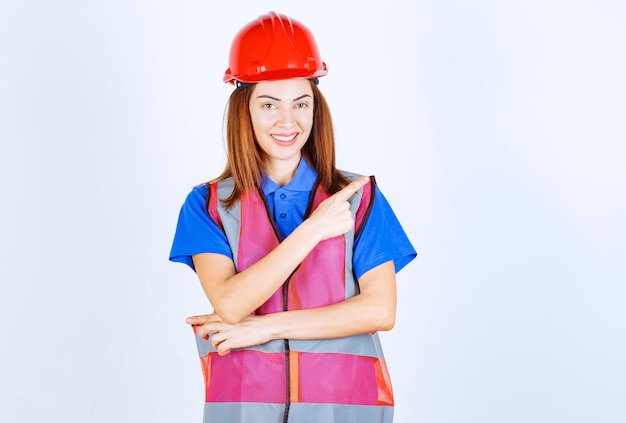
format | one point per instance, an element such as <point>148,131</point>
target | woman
<point>297,258</point>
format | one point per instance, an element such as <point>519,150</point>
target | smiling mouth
<point>284,138</point>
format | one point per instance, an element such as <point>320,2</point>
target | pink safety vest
<point>340,380</point>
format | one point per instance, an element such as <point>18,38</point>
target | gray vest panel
<point>221,412</point>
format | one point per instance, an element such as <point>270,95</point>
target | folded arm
<point>373,309</point>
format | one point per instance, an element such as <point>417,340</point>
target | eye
<point>268,106</point>
<point>302,105</point>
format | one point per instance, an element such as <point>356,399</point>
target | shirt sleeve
<point>196,232</point>
<point>381,240</point>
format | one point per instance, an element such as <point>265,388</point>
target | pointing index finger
<point>350,189</point>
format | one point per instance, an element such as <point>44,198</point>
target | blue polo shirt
<point>196,233</point>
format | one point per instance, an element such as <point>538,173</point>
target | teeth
<point>284,139</point>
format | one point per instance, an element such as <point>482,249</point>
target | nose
<point>286,118</point>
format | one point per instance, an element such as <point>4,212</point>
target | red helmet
<point>273,47</point>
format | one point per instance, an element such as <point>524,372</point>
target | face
<point>282,118</point>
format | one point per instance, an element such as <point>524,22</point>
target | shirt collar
<point>303,180</point>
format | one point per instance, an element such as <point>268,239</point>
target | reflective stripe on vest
<point>288,378</point>
<point>299,413</point>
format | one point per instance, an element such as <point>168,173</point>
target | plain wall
<point>495,129</point>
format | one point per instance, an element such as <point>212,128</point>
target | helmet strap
<point>241,85</point>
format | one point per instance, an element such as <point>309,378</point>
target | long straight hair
<point>246,160</point>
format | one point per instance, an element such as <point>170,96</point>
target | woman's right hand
<point>333,217</point>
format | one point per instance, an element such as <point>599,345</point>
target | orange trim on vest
<point>385,392</point>
<point>205,362</point>
<point>294,377</point>
<point>212,205</point>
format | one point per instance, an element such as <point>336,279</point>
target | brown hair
<point>245,159</point>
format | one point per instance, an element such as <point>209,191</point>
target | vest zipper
<point>287,358</point>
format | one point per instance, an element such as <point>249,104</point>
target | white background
<point>496,130</point>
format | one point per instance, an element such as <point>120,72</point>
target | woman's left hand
<point>225,337</point>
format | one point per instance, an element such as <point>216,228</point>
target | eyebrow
<point>278,99</point>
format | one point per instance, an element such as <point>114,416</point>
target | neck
<point>282,171</point>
